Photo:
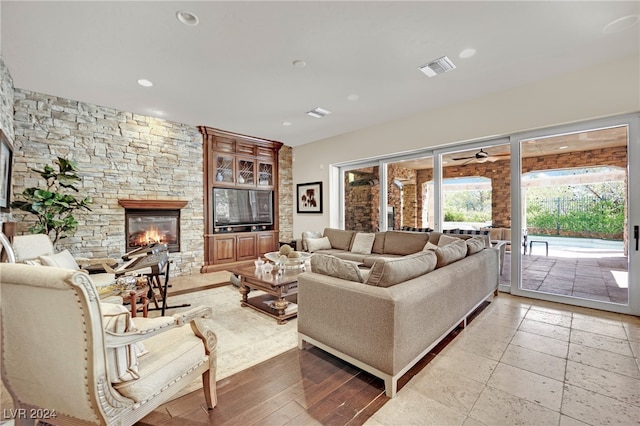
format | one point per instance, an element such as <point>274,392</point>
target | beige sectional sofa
<point>403,307</point>
<point>386,245</point>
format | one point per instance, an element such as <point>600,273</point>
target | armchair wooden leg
<point>210,341</point>
<point>209,388</point>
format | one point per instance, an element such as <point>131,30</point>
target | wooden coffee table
<point>281,290</point>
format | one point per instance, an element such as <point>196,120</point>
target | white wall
<point>601,91</point>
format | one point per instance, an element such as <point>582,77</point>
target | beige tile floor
<point>523,361</point>
<point>588,277</point>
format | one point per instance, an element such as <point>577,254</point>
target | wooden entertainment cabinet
<point>244,162</point>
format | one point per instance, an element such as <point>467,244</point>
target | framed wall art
<point>6,161</point>
<point>309,196</point>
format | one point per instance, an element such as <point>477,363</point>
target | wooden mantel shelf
<point>153,204</point>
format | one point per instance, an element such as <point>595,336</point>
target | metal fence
<point>564,205</point>
<point>577,216</point>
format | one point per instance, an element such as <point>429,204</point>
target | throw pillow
<point>451,252</point>
<point>122,362</point>
<point>446,240</point>
<point>309,234</point>
<point>388,272</point>
<point>475,245</point>
<point>429,246</point>
<point>334,267</point>
<point>363,243</point>
<point>61,260</point>
<point>340,238</point>
<point>315,244</point>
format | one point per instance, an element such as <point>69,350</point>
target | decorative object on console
<point>6,161</point>
<point>53,208</point>
<point>288,262</point>
<point>309,197</point>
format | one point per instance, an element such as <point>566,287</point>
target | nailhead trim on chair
<point>173,382</point>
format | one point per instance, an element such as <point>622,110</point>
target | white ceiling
<point>234,70</point>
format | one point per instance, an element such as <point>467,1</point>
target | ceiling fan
<point>482,156</point>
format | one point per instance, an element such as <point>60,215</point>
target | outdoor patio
<point>590,269</point>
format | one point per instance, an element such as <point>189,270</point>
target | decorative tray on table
<point>292,261</point>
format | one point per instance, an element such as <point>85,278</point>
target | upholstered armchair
<point>69,359</point>
<point>38,249</point>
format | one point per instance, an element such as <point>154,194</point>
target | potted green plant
<point>52,206</point>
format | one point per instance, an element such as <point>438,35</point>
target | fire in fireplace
<point>144,227</point>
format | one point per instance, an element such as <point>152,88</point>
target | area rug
<point>245,337</point>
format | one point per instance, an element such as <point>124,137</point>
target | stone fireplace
<point>152,221</point>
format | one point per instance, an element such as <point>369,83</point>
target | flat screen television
<point>238,207</point>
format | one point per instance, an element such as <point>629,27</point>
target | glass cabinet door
<point>246,174</point>
<point>224,169</point>
<point>265,174</point>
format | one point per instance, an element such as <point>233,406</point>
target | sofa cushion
<point>363,243</point>
<point>403,243</point>
<point>339,238</point>
<point>369,260</point>
<point>446,240</point>
<point>388,272</point>
<point>174,350</point>
<point>346,255</point>
<point>309,234</point>
<point>334,267</point>
<point>64,259</point>
<point>315,244</point>
<point>474,245</point>
<point>430,246</point>
<point>378,243</point>
<point>451,253</point>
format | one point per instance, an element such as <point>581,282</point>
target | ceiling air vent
<point>318,112</point>
<point>439,66</point>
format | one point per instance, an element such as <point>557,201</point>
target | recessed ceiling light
<point>187,18</point>
<point>439,66</point>
<point>299,63</point>
<point>144,82</point>
<point>353,97</point>
<point>621,24</point>
<point>287,123</point>
<point>563,147</point>
<point>467,53</point>
<point>318,112</point>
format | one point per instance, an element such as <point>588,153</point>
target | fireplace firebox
<point>147,226</point>
<point>152,221</point>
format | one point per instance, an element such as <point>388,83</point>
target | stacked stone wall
<point>285,193</point>
<point>120,155</point>
<point>6,113</point>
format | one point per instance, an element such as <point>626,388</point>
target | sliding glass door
<point>410,203</point>
<point>558,205</point>
<point>578,215</point>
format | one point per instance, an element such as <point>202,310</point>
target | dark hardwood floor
<point>299,387</point>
